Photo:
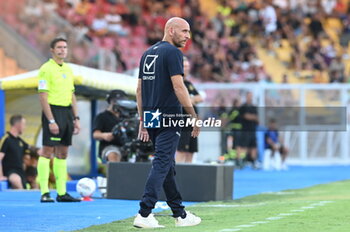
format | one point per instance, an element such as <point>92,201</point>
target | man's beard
<point>178,44</point>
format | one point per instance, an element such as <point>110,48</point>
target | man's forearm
<point>185,100</point>
<point>98,135</point>
<point>2,155</point>
<point>74,105</point>
<point>139,99</point>
<point>45,106</point>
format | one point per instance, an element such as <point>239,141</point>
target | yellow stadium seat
<point>334,24</point>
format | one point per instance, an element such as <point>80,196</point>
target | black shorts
<point>64,119</point>
<point>247,139</point>
<point>236,134</point>
<point>18,172</point>
<point>187,143</point>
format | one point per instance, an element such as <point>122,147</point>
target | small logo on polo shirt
<point>42,85</point>
<point>64,75</point>
<point>152,119</point>
<point>149,65</point>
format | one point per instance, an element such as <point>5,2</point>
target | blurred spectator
<point>118,56</point>
<point>328,6</point>
<point>82,32</point>
<point>220,45</point>
<point>336,70</point>
<point>269,17</point>
<point>13,149</point>
<point>234,125</point>
<point>285,79</point>
<point>275,154</point>
<point>82,9</point>
<point>67,11</point>
<point>345,34</point>
<point>31,175</point>
<point>100,24</point>
<point>33,9</point>
<point>246,144</point>
<point>114,21</point>
<point>315,26</point>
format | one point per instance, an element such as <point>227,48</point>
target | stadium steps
<point>276,69</point>
<point>333,28</point>
<point>8,66</point>
<point>284,52</point>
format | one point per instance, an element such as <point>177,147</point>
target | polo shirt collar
<point>54,62</point>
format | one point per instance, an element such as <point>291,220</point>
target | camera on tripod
<point>126,131</point>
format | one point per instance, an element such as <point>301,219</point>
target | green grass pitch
<point>316,209</point>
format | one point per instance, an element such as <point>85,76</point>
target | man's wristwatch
<point>76,118</point>
<point>51,121</point>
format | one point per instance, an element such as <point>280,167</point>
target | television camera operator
<point>109,148</point>
<point>117,128</point>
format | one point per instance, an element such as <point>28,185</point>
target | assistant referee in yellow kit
<point>59,120</point>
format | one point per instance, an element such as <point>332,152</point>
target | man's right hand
<point>143,133</point>
<point>54,128</point>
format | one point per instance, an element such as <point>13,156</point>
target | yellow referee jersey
<point>57,80</point>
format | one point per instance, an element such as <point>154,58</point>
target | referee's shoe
<point>66,198</point>
<point>46,198</point>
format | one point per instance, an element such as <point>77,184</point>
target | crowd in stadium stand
<point>311,38</point>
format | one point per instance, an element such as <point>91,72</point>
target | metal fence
<point>313,119</point>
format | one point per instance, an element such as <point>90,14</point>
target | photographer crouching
<point>110,146</point>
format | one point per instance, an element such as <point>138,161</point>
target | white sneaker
<point>189,220</point>
<point>146,222</point>
<point>284,167</point>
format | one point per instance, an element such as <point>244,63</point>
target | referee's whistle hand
<point>54,128</point>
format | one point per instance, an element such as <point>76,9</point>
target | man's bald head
<point>177,31</point>
<point>175,22</point>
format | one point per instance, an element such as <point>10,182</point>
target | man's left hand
<point>76,127</point>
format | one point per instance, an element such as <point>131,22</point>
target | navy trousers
<point>162,174</point>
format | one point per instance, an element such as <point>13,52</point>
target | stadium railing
<point>312,117</point>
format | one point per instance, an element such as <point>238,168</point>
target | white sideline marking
<point>326,202</point>
<point>297,210</point>
<point>224,230</point>
<point>317,204</point>
<point>230,206</point>
<point>308,207</point>
<point>245,226</point>
<point>279,193</point>
<point>260,222</point>
<point>274,218</point>
<point>311,206</point>
<point>286,214</point>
